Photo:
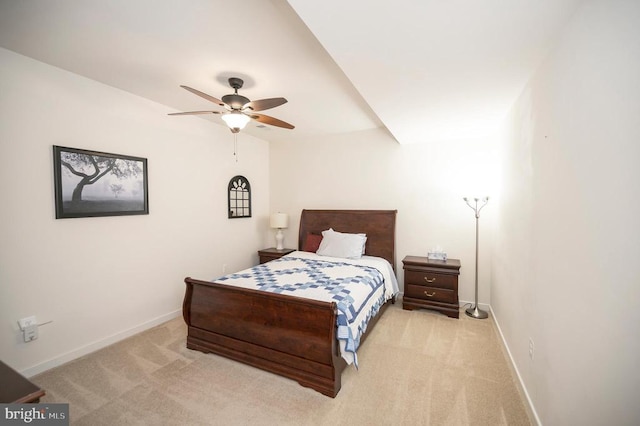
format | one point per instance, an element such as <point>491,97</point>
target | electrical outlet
<point>224,268</point>
<point>531,348</point>
<point>29,327</point>
<point>30,333</point>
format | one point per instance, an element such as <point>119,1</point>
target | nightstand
<point>16,389</point>
<point>273,253</point>
<point>431,284</point>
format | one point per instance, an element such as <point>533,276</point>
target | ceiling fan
<point>239,109</point>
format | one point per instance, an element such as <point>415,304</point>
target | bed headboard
<point>379,225</point>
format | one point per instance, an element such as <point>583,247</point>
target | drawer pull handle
<point>430,294</point>
<point>429,280</point>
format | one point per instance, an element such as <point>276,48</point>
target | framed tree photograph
<point>90,183</point>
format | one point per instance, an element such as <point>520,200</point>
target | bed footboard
<point>288,336</point>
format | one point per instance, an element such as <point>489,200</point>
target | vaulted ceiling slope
<point>427,70</point>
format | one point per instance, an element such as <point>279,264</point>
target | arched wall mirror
<point>239,197</point>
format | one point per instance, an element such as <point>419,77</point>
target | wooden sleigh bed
<point>286,335</point>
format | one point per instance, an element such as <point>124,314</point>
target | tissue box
<point>437,255</point>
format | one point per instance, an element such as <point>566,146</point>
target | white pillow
<point>339,244</point>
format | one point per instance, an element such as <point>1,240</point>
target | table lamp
<point>279,221</point>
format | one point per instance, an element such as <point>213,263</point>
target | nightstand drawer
<point>431,279</point>
<point>430,293</point>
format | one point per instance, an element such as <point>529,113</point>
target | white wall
<point>101,279</point>
<point>370,170</point>
<point>565,266</point>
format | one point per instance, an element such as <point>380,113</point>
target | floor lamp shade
<point>279,221</point>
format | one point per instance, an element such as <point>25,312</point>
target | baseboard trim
<point>102,343</point>
<point>523,388</point>
<point>461,303</point>
<point>482,306</point>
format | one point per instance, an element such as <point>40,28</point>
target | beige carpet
<point>416,368</point>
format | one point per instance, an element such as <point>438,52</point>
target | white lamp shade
<point>235,120</point>
<point>279,220</point>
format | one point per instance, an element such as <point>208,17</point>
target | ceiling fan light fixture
<point>235,120</point>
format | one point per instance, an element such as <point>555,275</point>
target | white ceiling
<point>426,70</point>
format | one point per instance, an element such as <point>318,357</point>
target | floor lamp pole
<point>474,312</point>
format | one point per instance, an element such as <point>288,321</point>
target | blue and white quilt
<point>359,288</point>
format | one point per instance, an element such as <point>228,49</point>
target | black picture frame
<point>94,184</point>
<point>239,196</point>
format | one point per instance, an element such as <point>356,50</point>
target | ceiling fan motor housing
<point>235,101</point>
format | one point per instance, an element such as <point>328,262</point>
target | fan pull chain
<point>235,146</point>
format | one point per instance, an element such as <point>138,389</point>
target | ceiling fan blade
<point>194,112</point>
<point>262,104</point>
<point>204,95</point>
<point>271,121</point>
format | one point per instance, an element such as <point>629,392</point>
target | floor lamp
<point>474,311</point>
